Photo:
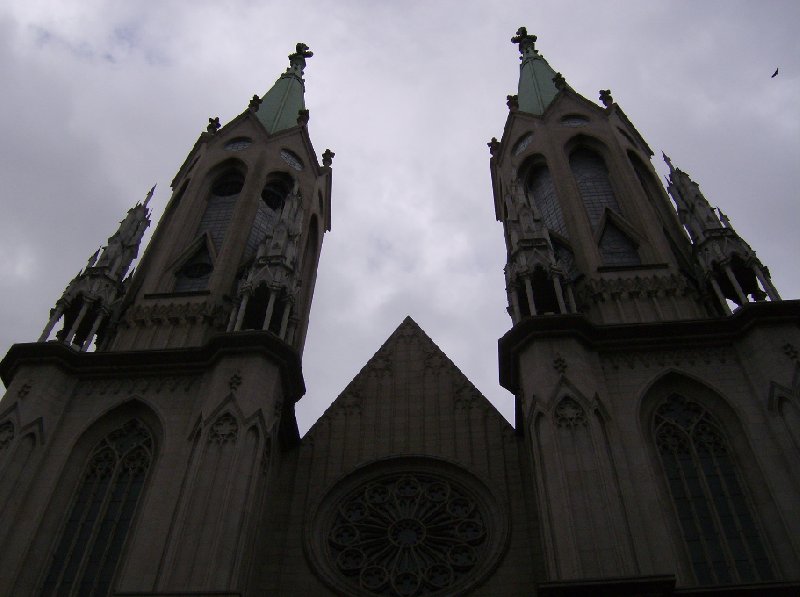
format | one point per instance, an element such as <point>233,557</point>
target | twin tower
<point>148,443</point>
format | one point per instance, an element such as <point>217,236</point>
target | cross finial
<point>213,125</point>
<point>524,41</point>
<point>301,50</point>
<point>255,102</point>
<point>605,97</point>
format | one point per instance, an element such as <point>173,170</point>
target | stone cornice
<point>640,336</point>
<point>155,362</point>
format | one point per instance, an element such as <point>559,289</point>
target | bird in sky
<point>775,74</point>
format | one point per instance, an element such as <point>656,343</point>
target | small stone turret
<point>89,299</point>
<point>534,276</point>
<point>726,263</point>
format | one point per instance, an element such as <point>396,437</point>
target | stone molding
<point>661,337</point>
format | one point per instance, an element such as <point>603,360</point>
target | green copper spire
<point>538,83</point>
<point>281,105</point>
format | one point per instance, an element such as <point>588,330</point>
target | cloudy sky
<point>101,99</point>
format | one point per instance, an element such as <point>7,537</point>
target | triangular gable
<point>407,355</point>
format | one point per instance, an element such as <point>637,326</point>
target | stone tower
<point>167,432</point>
<point>151,449</point>
<point>662,446</point>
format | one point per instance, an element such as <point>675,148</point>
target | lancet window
<point>542,190</point>
<point>103,506</point>
<point>591,176</point>
<point>195,272</point>
<point>273,197</point>
<point>720,532</point>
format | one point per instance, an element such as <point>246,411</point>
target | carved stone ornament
<point>790,351</point>
<point>138,385</point>
<point>24,390</point>
<point>512,101</point>
<point>410,527</point>
<point>559,81</point>
<point>717,355</point>
<point>6,434</point>
<point>224,429</point>
<point>234,382</point>
<point>570,414</point>
<point>255,103</point>
<point>494,146</point>
<point>605,98</point>
<point>560,364</point>
<point>213,125</point>
<point>302,117</point>
<point>327,157</point>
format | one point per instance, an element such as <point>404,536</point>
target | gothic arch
<point>114,455</point>
<point>228,460</point>
<point>710,482</point>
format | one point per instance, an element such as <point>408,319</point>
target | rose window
<point>407,534</point>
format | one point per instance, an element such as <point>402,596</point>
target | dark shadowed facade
<point>148,442</point>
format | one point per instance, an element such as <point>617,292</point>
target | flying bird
<point>775,74</point>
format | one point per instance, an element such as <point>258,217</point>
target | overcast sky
<point>101,99</point>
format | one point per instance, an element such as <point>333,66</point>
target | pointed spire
<point>280,106</point>
<point>149,195</point>
<point>538,82</point>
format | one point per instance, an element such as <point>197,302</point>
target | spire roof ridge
<point>539,84</point>
<point>280,106</point>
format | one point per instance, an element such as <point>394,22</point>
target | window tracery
<point>719,530</point>
<point>407,526</point>
<point>594,185</point>
<point>412,534</point>
<point>570,414</point>
<point>91,541</point>
<point>543,192</point>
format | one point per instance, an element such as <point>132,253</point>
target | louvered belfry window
<point>93,536</point>
<point>719,529</point>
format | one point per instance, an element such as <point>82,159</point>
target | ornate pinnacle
<point>255,103</point>
<point>605,97</point>
<point>524,41</point>
<point>297,60</point>
<point>494,146</point>
<point>149,195</point>
<point>512,101</point>
<point>213,125</point>
<point>301,51</point>
<point>327,157</point>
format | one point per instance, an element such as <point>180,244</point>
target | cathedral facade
<point>148,441</point>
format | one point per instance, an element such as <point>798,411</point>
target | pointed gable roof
<point>402,363</point>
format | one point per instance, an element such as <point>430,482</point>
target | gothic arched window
<point>542,190</point>
<point>93,535</point>
<point>224,193</point>
<point>591,176</point>
<point>195,272</point>
<point>719,529</point>
<point>273,197</point>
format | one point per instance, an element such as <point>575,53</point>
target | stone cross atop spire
<point>280,106</point>
<point>525,42</point>
<point>538,82</point>
<point>297,59</point>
